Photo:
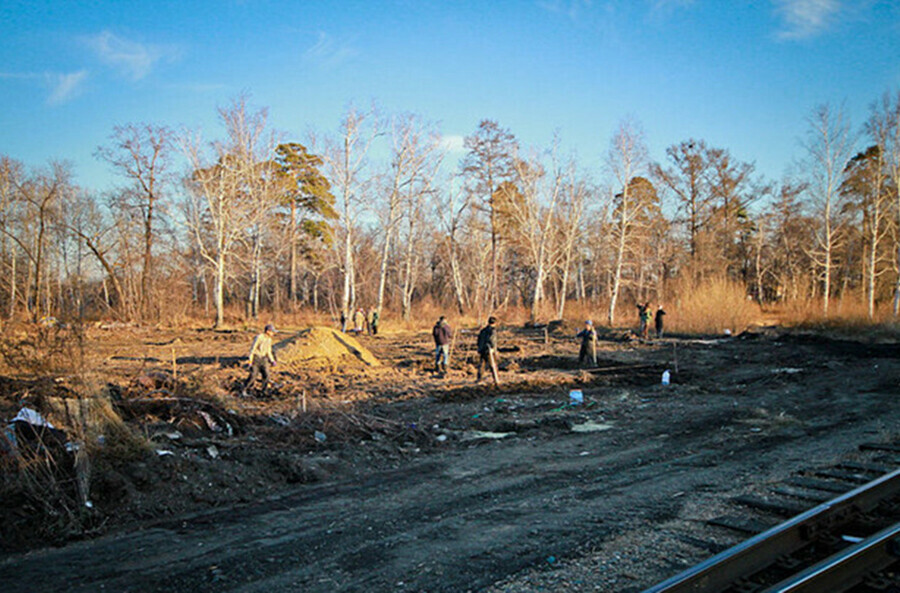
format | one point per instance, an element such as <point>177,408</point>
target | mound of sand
<point>323,346</point>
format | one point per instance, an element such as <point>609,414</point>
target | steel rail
<point>848,567</point>
<point>754,554</point>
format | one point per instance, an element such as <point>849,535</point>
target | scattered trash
<point>551,559</point>
<point>727,332</point>
<point>666,377</point>
<point>30,430</point>
<point>212,451</point>
<point>164,452</point>
<point>320,437</point>
<point>591,427</point>
<point>786,371</point>
<point>212,424</point>
<point>173,435</point>
<point>576,397</point>
<point>280,419</point>
<point>473,435</point>
<point>440,438</point>
<point>32,417</point>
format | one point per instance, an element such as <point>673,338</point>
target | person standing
<point>261,357</point>
<point>658,321</point>
<point>359,321</point>
<point>487,349</point>
<point>343,321</point>
<point>588,343</point>
<point>374,324</point>
<point>442,335</point>
<point>644,317</point>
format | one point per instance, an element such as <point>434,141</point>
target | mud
<point>357,478</point>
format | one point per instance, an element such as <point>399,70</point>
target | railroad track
<point>848,542</point>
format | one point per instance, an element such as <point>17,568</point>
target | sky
<point>740,75</point>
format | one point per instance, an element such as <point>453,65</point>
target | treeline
<point>377,214</point>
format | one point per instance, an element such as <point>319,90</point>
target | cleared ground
<point>349,477</point>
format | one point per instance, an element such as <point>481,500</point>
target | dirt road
<point>547,507</point>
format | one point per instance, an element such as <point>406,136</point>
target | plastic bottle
<point>666,377</point>
<point>576,397</point>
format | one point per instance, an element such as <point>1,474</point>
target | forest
<point>382,214</point>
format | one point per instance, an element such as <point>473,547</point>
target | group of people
<point>644,317</point>
<point>262,356</point>
<point>362,322</point>
<point>486,345</point>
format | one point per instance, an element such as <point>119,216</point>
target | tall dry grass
<point>711,306</point>
<point>847,318</point>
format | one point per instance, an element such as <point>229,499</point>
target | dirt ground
<point>351,477</point>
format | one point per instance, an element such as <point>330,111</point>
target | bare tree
<point>865,189</point>
<point>570,214</point>
<point>141,153</point>
<point>10,173</point>
<point>883,126</point>
<point>829,145</point>
<point>489,163</point>
<point>39,195</point>
<point>451,206</point>
<point>626,160</point>
<point>415,155</point>
<point>525,210</point>
<point>689,181</point>
<point>221,207</point>
<point>345,158</point>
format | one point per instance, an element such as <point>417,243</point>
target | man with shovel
<point>487,349</point>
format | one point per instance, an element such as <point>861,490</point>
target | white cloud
<point>64,87</point>
<point>135,60</point>
<point>453,143</point>
<point>807,18</point>
<point>328,53</point>
<point>574,9</point>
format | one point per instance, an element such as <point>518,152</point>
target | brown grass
<point>710,307</point>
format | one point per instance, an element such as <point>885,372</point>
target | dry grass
<point>710,307</point>
<point>847,318</point>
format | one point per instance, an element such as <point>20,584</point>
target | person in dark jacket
<point>442,335</point>
<point>588,343</point>
<point>658,321</point>
<point>487,349</point>
<point>374,324</point>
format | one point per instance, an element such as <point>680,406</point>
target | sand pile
<point>323,346</point>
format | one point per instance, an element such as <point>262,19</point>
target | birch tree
<point>626,159</point>
<point>883,126</point>
<point>220,206</point>
<point>828,146</point>
<point>569,217</point>
<point>346,157</point>
<point>415,155</point>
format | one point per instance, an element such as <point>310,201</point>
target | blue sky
<point>740,75</point>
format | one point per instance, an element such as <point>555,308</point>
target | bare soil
<point>352,477</point>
